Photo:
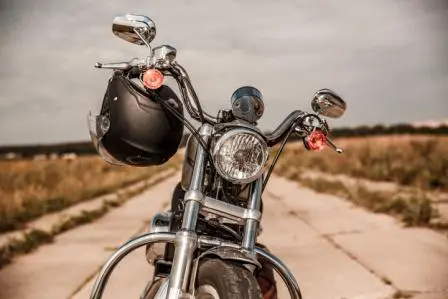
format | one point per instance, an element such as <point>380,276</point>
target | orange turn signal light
<point>153,78</point>
<point>316,141</point>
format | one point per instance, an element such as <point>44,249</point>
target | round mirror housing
<point>327,103</point>
<point>136,29</point>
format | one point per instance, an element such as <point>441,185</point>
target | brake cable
<point>282,145</point>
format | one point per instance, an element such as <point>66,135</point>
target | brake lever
<point>134,62</point>
<point>334,146</point>
<point>114,66</point>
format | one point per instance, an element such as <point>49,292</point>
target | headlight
<point>240,156</point>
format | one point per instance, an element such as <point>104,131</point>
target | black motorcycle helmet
<point>133,128</point>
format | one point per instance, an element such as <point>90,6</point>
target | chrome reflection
<point>124,250</point>
<point>136,29</point>
<point>327,103</point>
<point>283,271</point>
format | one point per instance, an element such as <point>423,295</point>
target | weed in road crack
<point>30,241</point>
<point>402,295</point>
<point>326,186</point>
<point>386,280</point>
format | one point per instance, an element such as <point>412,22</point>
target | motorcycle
<point>206,246</point>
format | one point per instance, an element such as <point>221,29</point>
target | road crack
<point>329,239</point>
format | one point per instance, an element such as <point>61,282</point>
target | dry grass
<point>33,238</point>
<point>29,189</point>
<point>420,161</point>
<point>413,209</point>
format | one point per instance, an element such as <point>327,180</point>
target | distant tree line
<point>364,131</point>
<point>28,151</point>
<point>86,148</point>
<point>388,130</point>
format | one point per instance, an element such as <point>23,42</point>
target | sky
<point>387,58</point>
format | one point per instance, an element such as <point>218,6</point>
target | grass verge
<point>30,189</point>
<point>418,161</point>
<point>34,238</point>
<point>412,209</point>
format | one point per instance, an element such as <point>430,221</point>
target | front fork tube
<point>251,227</point>
<point>186,238</point>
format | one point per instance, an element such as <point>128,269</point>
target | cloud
<point>386,57</point>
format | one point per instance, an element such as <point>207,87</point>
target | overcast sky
<point>387,58</point>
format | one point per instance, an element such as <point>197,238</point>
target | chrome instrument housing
<point>163,56</point>
<point>247,104</point>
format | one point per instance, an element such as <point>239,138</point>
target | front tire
<point>217,279</point>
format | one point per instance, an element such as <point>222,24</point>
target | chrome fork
<point>252,223</point>
<point>186,238</point>
<point>186,241</point>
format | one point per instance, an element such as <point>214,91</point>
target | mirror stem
<point>141,37</point>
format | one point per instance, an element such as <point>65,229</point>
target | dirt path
<point>334,249</point>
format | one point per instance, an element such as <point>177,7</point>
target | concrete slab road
<point>335,250</point>
<point>61,269</point>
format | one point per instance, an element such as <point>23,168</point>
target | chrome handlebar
<point>192,104</point>
<point>280,132</point>
<point>310,126</point>
<point>296,120</point>
<point>174,69</point>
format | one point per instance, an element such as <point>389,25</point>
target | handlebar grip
<point>334,146</point>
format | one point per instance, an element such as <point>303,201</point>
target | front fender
<point>231,254</point>
<point>226,253</point>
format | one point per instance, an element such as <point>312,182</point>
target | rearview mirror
<point>136,29</point>
<point>327,103</point>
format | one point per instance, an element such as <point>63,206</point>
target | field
<point>420,161</point>
<point>32,188</point>
<point>418,165</point>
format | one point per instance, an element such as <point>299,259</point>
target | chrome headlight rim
<point>229,134</point>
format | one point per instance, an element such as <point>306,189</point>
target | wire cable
<point>186,123</point>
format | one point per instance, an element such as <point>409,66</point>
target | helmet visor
<point>98,127</point>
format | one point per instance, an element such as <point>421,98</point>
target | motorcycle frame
<point>186,240</point>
